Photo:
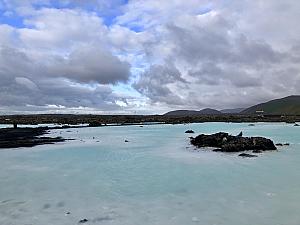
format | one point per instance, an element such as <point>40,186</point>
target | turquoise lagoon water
<point>155,179</point>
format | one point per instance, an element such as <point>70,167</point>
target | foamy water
<point>155,178</point>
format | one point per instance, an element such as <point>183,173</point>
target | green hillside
<point>285,106</point>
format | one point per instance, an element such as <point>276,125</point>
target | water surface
<point>155,178</point>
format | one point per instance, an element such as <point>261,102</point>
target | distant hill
<point>232,111</point>
<point>285,106</point>
<point>206,111</point>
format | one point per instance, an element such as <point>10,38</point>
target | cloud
<point>219,62</point>
<point>91,64</point>
<point>157,81</point>
<point>53,62</point>
<point>56,29</point>
<point>148,14</point>
<point>23,81</point>
<point>140,55</point>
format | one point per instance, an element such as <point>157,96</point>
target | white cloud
<point>225,66</point>
<point>56,29</point>
<point>59,59</point>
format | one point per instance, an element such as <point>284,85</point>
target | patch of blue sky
<point>11,18</point>
<point>204,10</point>
<point>125,90</point>
<point>137,28</point>
<point>137,25</point>
<point>108,10</point>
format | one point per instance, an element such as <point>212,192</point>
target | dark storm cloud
<point>91,64</point>
<point>154,83</point>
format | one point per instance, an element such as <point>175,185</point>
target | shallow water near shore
<point>154,179</point>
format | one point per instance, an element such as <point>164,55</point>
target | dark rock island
<point>25,137</point>
<point>224,142</point>
<point>189,132</point>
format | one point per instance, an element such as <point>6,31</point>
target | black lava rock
<point>247,155</point>
<point>25,137</point>
<point>228,143</point>
<point>189,132</point>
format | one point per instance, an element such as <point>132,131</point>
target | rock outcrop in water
<point>25,137</point>
<point>224,142</point>
<point>246,155</point>
<point>189,132</point>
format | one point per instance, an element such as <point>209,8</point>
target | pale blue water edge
<point>154,179</point>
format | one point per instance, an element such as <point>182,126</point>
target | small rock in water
<point>126,141</point>
<point>189,132</point>
<point>217,150</point>
<point>296,125</point>
<point>287,144</point>
<point>247,155</point>
<point>240,134</point>
<point>251,125</point>
<point>67,213</point>
<point>83,221</point>
<point>279,144</point>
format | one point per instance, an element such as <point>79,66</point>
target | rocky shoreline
<point>223,142</point>
<point>26,137</point>
<point>103,120</point>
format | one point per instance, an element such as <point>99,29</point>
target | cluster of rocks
<point>223,142</point>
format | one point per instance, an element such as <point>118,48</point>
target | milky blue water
<point>155,179</point>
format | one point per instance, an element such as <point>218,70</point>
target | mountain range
<point>284,106</point>
<point>206,111</point>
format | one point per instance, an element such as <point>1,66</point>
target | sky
<point>146,56</point>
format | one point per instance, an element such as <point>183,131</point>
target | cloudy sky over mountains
<point>146,56</point>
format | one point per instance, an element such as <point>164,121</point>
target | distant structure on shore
<point>260,111</point>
